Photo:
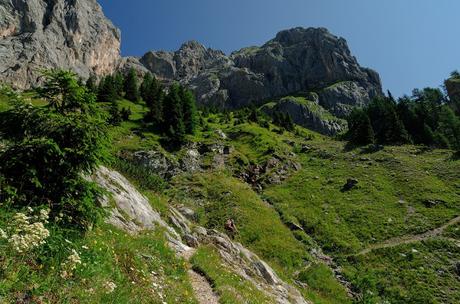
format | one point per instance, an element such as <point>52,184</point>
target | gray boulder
<point>36,35</point>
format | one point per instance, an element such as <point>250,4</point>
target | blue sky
<point>411,43</point>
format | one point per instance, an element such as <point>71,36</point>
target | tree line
<point>172,112</point>
<point>424,118</point>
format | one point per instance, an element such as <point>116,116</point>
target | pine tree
<point>153,96</point>
<point>118,83</point>
<point>145,89</point>
<point>387,126</point>
<point>115,115</point>
<point>106,91</point>
<point>189,110</point>
<point>360,130</point>
<point>131,86</point>
<point>173,125</point>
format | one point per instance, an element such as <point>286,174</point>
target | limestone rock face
<point>341,97</point>
<point>296,60</point>
<point>44,34</point>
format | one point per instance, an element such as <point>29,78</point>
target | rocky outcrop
<point>340,98</point>
<point>130,210</point>
<point>308,114</point>
<point>296,60</point>
<point>306,60</point>
<point>69,34</point>
<point>241,260</point>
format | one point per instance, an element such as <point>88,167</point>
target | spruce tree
<point>115,115</point>
<point>173,125</point>
<point>145,88</point>
<point>189,110</point>
<point>118,83</point>
<point>107,91</point>
<point>131,86</point>
<point>360,130</point>
<point>153,96</point>
<point>289,123</point>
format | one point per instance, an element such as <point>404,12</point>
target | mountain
<point>296,60</point>
<point>71,34</point>
<point>75,34</point>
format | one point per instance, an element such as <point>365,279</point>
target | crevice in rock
<point>50,4</point>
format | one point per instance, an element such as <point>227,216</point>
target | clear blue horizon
<point>411,43</point>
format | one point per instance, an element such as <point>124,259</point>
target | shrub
<point>51,148</point>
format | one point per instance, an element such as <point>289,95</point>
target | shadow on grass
<point>364,149</point>
<point>456,156</point>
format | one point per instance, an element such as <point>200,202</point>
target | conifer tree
<point>288,122</point>
<point>173,115</point>
<point>118,83</point>
<point>189,110</point>
<point>131,86</point>
<point>107,91</point>
<point>145,87</point>
<point>360,130</point>
<point>115,115</point>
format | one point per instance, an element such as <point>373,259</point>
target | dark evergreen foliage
<point>51,148</point>
<point>107,91</point>
<point>131,86</point>
<point>424,118</point>
<point>360,128</point>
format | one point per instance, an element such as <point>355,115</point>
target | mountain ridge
<point>37,35</point>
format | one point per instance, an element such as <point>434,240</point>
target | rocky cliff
<point>75,34</point>
<point>43,34</point>
<point>296,60</point>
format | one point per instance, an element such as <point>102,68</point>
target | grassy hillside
<point>394,236</point>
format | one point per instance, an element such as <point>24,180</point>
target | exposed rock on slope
<point>72,34</point>
<point>131,211</point>
<point>307,114</point>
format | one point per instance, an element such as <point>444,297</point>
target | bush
<point>51,148</point>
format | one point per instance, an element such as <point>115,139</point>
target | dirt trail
<point>201,287</point>
<point>408,239</point>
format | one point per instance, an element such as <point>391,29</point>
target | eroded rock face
<point>44,34</point>
<point>341,97</point>
<point>296,60</point>
<point>304,60</point>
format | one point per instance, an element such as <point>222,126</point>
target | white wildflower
<point>3,234</point>
<point>26,236</point>
<point>44,215</point>
<point>70,264</point>
<point>109,287</point>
